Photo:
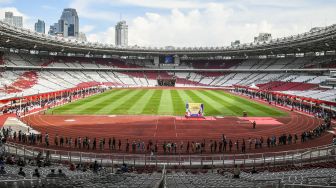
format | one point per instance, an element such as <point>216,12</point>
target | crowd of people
<point>21,106</point>
<point>299,105</point>
<point>11,160</point>
<point>39,161</point>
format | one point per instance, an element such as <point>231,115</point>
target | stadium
<point>169,116</point>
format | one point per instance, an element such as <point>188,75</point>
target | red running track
<point>162,128</point>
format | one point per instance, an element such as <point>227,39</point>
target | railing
<point>298,157</point>
<point>307,186</point>
<point>304,184</point>
<point>19,182</point>
<point>145,69</point>
<point>276,183</point>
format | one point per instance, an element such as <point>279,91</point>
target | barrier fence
<point>297,157</point>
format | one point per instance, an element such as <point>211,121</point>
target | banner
<point>194,109</point>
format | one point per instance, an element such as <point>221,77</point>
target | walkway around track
<point>295,157</point>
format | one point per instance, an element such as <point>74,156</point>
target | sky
<point>181,23</point>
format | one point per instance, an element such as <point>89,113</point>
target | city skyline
<point>67,25</point>
<point>181,23</point>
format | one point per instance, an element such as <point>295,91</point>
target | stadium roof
<point>323,39</point>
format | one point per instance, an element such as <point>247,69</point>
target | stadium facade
<point>309,43</point>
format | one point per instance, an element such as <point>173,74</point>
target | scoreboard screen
<point>169,59</point>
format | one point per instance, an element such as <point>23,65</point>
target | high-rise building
<point>121,34</point>
<point>13,20</point>
<point>40,26</point>
<point>63,28</point>
<point>70,19</point>
<point>9,15</point>
<point>53,30</point>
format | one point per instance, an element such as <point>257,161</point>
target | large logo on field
<point>194,109</point>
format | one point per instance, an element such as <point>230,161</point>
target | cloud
<point>190,28</point>
<point>162,4</point>
<point>15,11</point>
<point>277,3</point>
<point>86,28</point>
<point>195,27</point>
<point>192,4</point>
<point>165,4</point>
<point>5,1</point>
<point>48,8</point>
<point>85,10</point>
<point>206,22</point>
<point>218,24</point>
<point>106,37</point>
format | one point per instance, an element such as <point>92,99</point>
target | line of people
<point>223,145</point>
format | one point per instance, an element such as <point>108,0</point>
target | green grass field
<point>165,102</point>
